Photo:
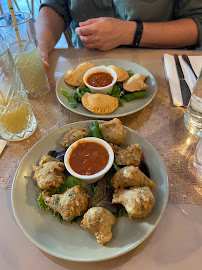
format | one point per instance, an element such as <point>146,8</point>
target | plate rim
<point>121,252</point>
<point>106,116</point>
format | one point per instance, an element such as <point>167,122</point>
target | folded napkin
<point>2,145</point>
<point>171,74</point>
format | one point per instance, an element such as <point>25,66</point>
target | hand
<point>106,33</point>
<point>44,53</point>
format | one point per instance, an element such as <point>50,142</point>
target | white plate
<point>70,241</point>
<point>128,107</point>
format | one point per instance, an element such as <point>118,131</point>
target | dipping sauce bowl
<point>89,159</point>
<point>100,79</point>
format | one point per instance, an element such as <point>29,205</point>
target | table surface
<point>176,242</point>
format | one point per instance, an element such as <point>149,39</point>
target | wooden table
<point>176,243</point>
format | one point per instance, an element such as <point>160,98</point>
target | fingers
<point>87,27</point>
<point>44,54</point>
<point>46,64</point>
<point>84,30</point>
<point>87,39</point>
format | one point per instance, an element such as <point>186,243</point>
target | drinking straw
<point>14,22</point>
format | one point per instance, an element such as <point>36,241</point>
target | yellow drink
<point>31,69</point>
<point>17,121</point>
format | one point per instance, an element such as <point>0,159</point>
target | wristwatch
<point>138,34</point>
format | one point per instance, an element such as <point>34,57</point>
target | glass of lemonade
<point>17,120</point>
<point>27,55</point>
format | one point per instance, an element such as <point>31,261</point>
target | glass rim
<point>6,48</point>
<point>13,25</point>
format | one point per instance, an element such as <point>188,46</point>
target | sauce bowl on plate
<point>100,79</point>
<point>89,159</point>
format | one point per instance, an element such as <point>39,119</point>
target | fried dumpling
<point>138,202</point>
<point>131,176</point>
<point>99,103</point>
<point>72,136</point>
<point>75,78</point>
<point>99,221</point>
<point>122,74</point>
<point>113,132</point>
<point>50,173</point>
<point>72,203</point>
<point>132,155</point>
<point>135,83</point>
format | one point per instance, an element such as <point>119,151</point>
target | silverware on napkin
<point>186,59</point>
<point>185,91</point>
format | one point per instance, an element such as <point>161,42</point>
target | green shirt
<point>75,11</point>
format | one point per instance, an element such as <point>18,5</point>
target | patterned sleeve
<point>61,7</point>
<point>190,9</point>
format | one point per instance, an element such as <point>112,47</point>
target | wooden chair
<point>68,37</point>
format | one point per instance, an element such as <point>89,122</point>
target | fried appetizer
<point>135,83</point>
<point>113,132</point>
<point>72,136</point>
<point>99,221</point>
<point>132,155</point>
<point>72,203</point>
<point>138,202</point>
<point>131,176</point>
<point>49,174</point>
<point>75,78</point>
<point>99,103</point>
<point>122,74</point>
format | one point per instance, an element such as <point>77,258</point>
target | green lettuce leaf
<point>94,130</point>
<point>72,102</point>
<point>135,95</point>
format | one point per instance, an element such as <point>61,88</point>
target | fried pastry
<point>122,74</point>
<point>131,176</point>
<point>132,155</point>
<point>98,221</point>
<point>72,203</point>
<point>113,132</point>
<point>99,103</point>
<point>75,78</point>
<point>72,136</point>
<point>135,83</point>
<point>49,174</point>
<point>138,202</point>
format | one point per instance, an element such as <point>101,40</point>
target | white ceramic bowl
<point>104,89</point>
<point>94,177</point>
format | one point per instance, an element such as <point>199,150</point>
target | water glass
<point>198,160</point>
<point>17,120</point>
<point>27,55</point>
<point>193,114</point>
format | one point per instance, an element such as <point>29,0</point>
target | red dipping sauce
<point>99,79</point>
<point>88,158</point>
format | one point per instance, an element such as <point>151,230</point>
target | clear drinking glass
<point>198,160</point>
<point>193,114</point>
<point>27,57</point>
<point>17,120</point>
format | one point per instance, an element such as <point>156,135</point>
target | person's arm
<point>107,33</point>
<point>172,34</point>
<point>49,27</point>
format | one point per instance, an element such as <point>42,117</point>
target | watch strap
<point>138,34</point>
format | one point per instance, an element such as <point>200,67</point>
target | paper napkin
<point>2,145</point>
<point>171,74</point>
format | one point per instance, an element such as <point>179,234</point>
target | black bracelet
<point>138,34</point>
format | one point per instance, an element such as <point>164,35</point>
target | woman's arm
<point>107,33</point>
<point>49,27</point>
